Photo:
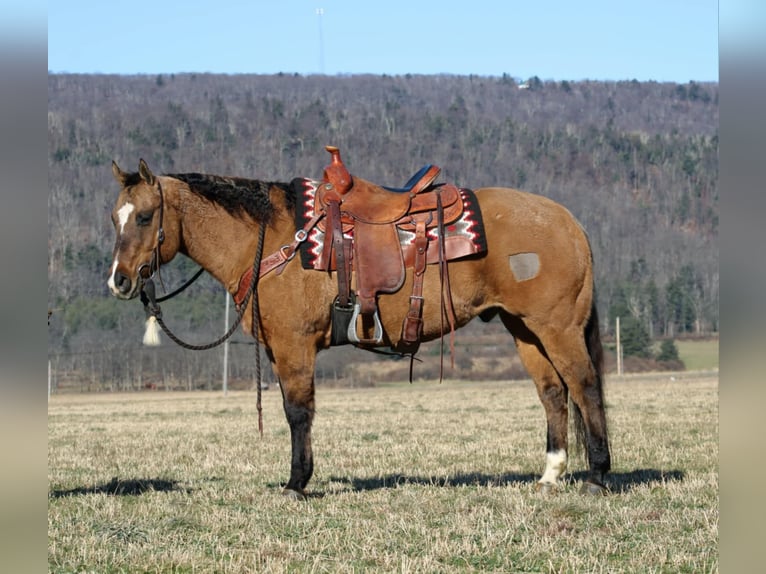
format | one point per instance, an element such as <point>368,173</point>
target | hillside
<point>636,162</point>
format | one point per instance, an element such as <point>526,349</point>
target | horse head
<point>139,223</point>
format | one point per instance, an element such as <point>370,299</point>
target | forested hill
<point>636,162</point>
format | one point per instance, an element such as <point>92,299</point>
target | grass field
<point>409,478</point>
<point>698,355</point>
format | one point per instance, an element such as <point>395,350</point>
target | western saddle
<point>362,224</point>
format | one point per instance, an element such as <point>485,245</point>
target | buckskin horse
<point>530,264</point>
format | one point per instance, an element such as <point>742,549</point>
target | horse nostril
<point>122,282</point>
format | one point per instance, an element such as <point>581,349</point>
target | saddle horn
<point>336,173</point>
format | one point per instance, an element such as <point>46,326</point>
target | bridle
<point>154,264</point>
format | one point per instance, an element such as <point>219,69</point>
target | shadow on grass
<point>125,487</point>
<point>618,482</point>
<point>624,482</point>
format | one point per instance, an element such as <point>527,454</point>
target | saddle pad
<point>462,238</point>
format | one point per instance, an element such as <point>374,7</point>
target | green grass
<point>699,355</point>
<point>416,478</point>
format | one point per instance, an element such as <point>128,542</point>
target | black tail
<point>596,352</point>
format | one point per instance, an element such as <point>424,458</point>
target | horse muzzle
<point>123,287</point>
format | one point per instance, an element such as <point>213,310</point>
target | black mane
<point>237,195</point>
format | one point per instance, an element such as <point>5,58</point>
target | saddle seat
<point>419,181</point>
<point>366,202</point>
<point>372,216</point>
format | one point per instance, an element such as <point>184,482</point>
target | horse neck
<point>223,244</point>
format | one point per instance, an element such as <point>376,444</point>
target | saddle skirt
<point>463,237</point>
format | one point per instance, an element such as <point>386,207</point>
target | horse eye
<point>144,219</point>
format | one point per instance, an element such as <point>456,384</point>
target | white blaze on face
<point>122,218</point>
<point>123,214</point>
<point>555,466</point>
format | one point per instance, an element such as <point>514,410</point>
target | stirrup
<point>377,332</point>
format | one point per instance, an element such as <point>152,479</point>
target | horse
<point>536,274</point>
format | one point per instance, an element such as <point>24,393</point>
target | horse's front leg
<point>300,414</point>
<point>297,386</point>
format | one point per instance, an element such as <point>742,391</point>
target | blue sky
<point>662,40</point>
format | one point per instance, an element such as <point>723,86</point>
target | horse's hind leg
<point>571,357</point>
<point>553,395</point>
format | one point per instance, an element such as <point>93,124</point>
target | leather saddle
<point>362,224</point>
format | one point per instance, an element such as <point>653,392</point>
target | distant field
<point>699,355</point>
<point>409,478</point>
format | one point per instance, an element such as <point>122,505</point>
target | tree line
<point>635,162</point>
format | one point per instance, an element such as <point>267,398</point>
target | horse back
<point>517,221</point>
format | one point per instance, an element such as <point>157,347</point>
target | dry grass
<point>421,478</point>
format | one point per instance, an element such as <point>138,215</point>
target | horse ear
<point>145,173</point>
<point>119,175</point>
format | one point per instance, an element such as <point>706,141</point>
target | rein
<point>182,287</point>
<point>150,301</point>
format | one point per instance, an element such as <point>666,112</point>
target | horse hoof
<point>293,494</point>
<point>546,488</point>
<point>593,489</point>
